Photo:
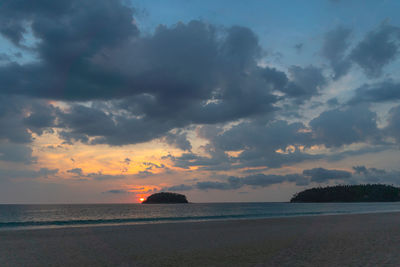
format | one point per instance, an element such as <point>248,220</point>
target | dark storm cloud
<point>378,92</point>
<point>339,127</point>
<point>323,175</point>
<point>377,49</point>
<point>70,33</point>
<point>334,47</point>
<point>62,24</point>
<point>213,81</point>
<point>186,74</point>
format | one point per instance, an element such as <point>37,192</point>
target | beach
<point>330,240</point>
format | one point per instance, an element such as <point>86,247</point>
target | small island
<point>165,198</point>
<point>349,193</point>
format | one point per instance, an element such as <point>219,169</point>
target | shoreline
<point>327,240</point>
<point>173,220</point>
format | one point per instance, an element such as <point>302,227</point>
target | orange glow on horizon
<point>141,199</point>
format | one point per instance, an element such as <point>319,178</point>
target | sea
<point>76,215</point>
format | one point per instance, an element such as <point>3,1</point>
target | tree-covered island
<point>349,193</point>
<point>165,198</point>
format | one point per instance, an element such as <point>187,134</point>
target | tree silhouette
<point>349,193</point>
<point>165,197</point>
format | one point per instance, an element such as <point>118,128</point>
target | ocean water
<point>73,215</point>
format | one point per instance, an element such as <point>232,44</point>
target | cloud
<point>386,91</point>
<point>278,79</point>
<point>305,82</point>
<point>359,151</point>
<point>268,143</point>
<point>151,165</point>
<point>323,175</point>
<point>4,57</point>
<point>12,128</point>
<point>257,180</point>
<point>216,80</point>
<point>41,118</point>
<point>181,187</point>
<point>257,142</point>
<point>334,47</point>
<point>262,180</point>
<point>393,127</point>
<point>121,87</point>
<point>377,49</point>
<point>116,191</point>
<point>19,153</point>
<point>299,47</point>
<point>319,175</point>
<point>29,174</point>
<point>339,127</point>
<point>140,87</point>
<point>20,117</point>
<point>179,140</point>
<point>83,122</point>
<point>99,176</point>
<point>374,175</point>
<point>216,185</point>
<point>76,171</point>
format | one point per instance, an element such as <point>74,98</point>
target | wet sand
<point>338,240</point>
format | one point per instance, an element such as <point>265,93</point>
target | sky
<point>109,101</point>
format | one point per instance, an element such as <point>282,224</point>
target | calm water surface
<point>70,215</point>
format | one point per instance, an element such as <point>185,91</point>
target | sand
<point>339,240</point>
